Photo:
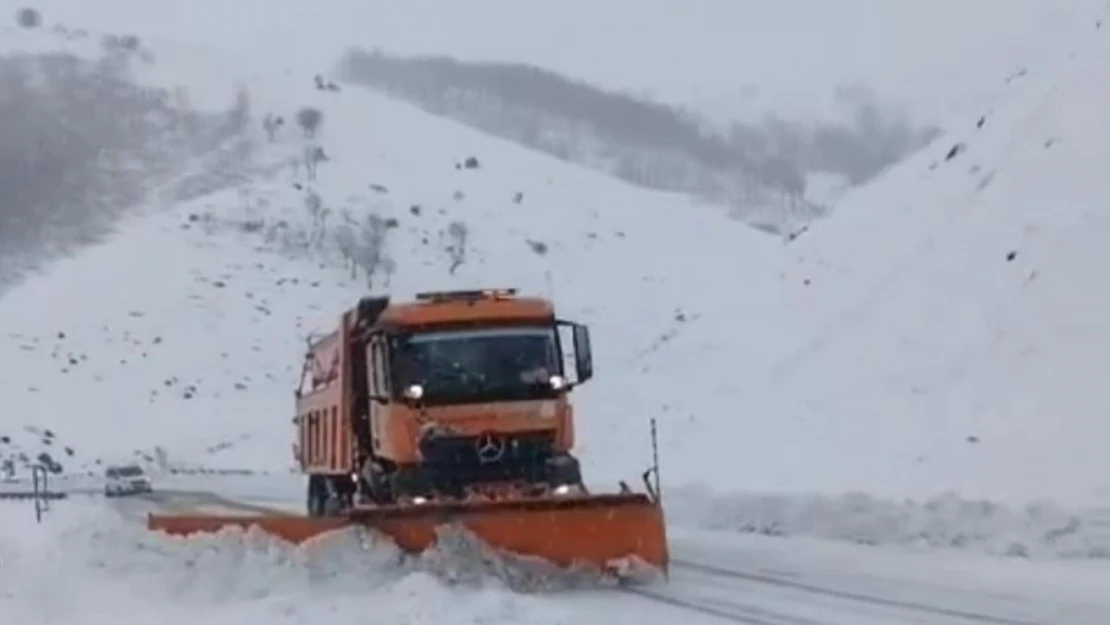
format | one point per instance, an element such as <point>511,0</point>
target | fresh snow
<point>955,333</point>
<point>113,571</point>
<point>941,339</point>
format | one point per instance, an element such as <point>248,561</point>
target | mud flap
<point>604,532</point>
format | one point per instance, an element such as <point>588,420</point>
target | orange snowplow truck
<point>454,409</point>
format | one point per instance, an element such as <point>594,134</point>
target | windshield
<point>130,471</point>
<point>480,365</point>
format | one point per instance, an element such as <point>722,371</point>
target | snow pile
<point>114,569</point>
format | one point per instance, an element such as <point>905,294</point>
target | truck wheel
<point>332,504</point>
<point>316,496</point>
<point>564,470</point>
<point>409,482</point>
<point>377,483</point>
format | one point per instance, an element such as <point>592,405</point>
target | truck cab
<point>450,395</point>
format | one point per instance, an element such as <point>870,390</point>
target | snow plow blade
<point>608,532</point>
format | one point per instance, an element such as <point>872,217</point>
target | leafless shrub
<point>271,124</point>
<point>370,253</point>
<point>309,119</point>
<point>538,247</point>
<point>318,216</point>
<point>457,234</point>
<point>346,241</point>
<point>27,17</point>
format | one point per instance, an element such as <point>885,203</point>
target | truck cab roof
<point>465,307</point>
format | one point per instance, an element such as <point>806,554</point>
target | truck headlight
<point>414,391</point>
<point>557,382</point>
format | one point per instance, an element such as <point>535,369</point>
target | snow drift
<point>113,569</point>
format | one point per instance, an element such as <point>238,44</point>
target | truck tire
<point>316,496</point>
<point>333,498</point>
<point>564,470</point>
<point>409,482</point>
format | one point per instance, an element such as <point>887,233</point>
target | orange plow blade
<point>605,531</point>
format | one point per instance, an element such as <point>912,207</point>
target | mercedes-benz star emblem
<point>490,448</point>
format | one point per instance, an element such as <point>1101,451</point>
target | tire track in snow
<point>136,507</point>
<point>760,599</point>
<point>736,613</point>
<point>863,598</point>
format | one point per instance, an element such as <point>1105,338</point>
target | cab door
<point>378,385</point>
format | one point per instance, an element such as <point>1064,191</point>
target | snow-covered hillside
<point>958,332</point>
<point>85,144</point>
<point>766,111</point>
<point>181,338</point>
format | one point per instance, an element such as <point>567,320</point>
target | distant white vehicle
<point>128,479</point>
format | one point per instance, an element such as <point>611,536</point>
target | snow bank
<point>1037,530</point>
<point>113,570</point>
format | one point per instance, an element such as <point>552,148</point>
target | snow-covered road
<point>723,577</point>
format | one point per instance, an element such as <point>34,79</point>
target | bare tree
<point>370,253</point>
<point>28,18</point>
<point>457,234</point>
<point>271,124</point>
<point>314,204</point>
<point>313,156</point>
<point>309,119</point>
<point>346,243</point>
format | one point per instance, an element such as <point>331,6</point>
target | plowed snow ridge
<point>128,571</point>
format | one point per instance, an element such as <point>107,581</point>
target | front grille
<point>518,456</point>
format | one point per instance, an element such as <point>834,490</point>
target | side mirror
<point>583,357</point>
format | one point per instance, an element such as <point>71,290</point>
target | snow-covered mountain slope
<point>185,332</point>
<point>958,327</point>
<point>86,143</point>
